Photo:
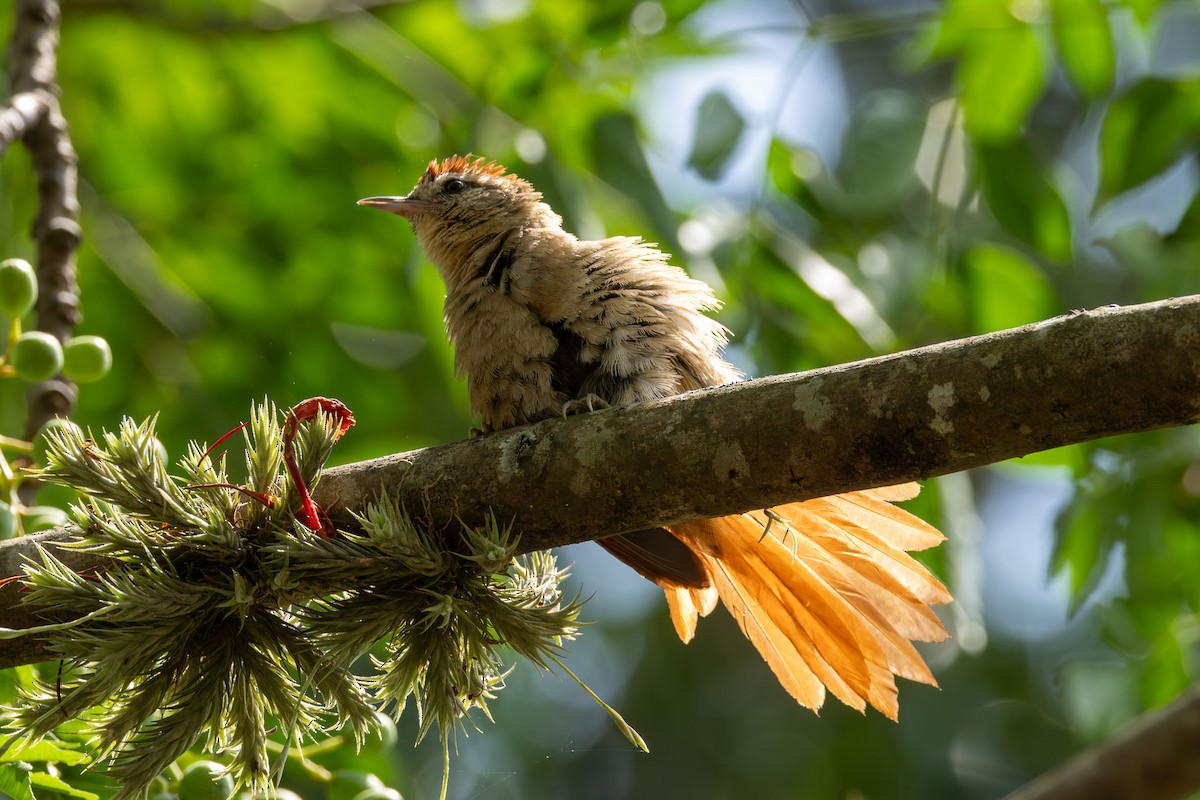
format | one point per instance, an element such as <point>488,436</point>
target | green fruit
<point>286,794</point>
<point>18,287</point>
<point>348,784</point>
<point>205,780</point>
<point>379,793</point>
<point>36,356</point>
<point>40,442</point>
<point>385,737</point>
<point>86,358</point>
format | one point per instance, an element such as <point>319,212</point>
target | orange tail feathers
<point>825,591</point>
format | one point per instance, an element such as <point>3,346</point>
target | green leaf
<point>719,127</point>
<point>1085,44</point>
<point>44,751</point>
<point>1070,457</point>
<point>793,171</point>
<point>1188,228</point>
<point>781,167</point>
<point>1023,200</point>
<point>1146,130</point>
<point>14,782</point>
<point>1002,72</point>
<point>1006,289</point>
<point>880,149</point>
<point>56,784</point>
<point>945,36</point>
<point>1082,547</point>
<point>621,163</point>
<point>16,678</point>
<point>1143,10</point>
<point>1165,673</point>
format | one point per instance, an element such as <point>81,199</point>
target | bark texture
<point>751,445</point>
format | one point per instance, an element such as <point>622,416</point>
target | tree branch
<point>916,414</point>
<point>20,114</point>
<point>33,114</point>
<point>1153,758</point>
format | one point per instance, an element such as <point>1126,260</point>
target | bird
<point>545,324</point>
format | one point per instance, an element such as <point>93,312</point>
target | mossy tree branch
<point>916,414</point>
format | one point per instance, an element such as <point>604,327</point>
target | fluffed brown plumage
<point>543,322</point>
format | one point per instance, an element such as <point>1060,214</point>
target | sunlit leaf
<point>718,130</point>
<point>1143,10</point>
<point>44,750</point>
<point>1165,673</point>
<point>781,168</point>
<point>792,171</point>
<point>944,35</point>
<point>1146,130</point>
<point>14,782</point>
<point>795,328</point>
<point>45,780</point>
<point>1006,289</point>
<point>946,301</point>
<point>1085,44</point>
<point>1070,457</point>
<point>1002,72</point>
<point>1023,199</point>
<point>1183,546</point>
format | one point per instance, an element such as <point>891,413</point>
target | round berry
<point>86,358</point>
<point>205,780</point>
<point>18,287</point>
<point>36,356</point>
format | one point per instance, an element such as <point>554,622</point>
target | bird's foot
<point>590,402</point>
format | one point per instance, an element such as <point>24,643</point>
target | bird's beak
<point>406,207</point>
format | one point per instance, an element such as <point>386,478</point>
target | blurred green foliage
<point>855,177</point>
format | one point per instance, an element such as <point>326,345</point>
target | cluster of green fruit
<point>36,356</point>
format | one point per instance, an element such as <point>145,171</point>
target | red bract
<point>310,514</point>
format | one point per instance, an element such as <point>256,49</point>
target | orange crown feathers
<point>467,163</point>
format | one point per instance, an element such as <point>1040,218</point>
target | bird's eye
<point>453,186</point>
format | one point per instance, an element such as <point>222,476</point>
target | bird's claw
<point>590,402</point>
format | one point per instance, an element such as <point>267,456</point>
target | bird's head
<point>462,201</point>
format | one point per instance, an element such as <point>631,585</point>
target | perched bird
<point>544,324</point>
